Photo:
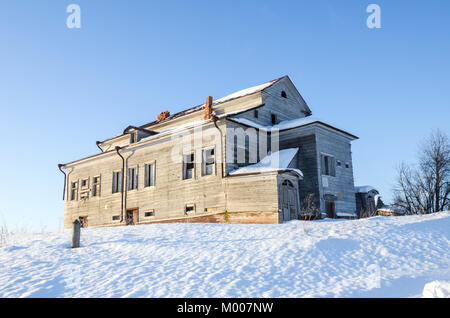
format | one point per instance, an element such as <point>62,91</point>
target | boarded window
<point>328,165</point>
<point>188,166</point>
<point>132,179</point>
<point>117,182</point>
<point>149,180</point>
<point>96,186</point>
<point>208,161</point>
<point>74,191</point>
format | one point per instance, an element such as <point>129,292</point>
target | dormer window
<point>283,94</point>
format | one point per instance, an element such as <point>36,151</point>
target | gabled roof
<point>235,95</point>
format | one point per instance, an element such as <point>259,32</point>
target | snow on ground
<point>376,257</point>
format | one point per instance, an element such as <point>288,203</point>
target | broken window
<point>208,161</point>
<point>74,191</point>
<point>188,166</point>
<point>132,179</point>
<point>96,186</point>
<point>149,214</point>
<point>117,182</point>
<point>149,175</point>
<point>189,209</point>
<point>328,165</point>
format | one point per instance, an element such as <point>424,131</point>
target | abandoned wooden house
<point>254,156</point>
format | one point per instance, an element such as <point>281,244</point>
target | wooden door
<point>330,209</point>
<point>132,216</point>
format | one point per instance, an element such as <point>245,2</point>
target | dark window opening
<point>149,175</point>
<point>189,209</point>
<point>95,186</point>
<point>116,218</point>
<point>328,165</point>
<point>149,214</point>
<point>255,113</point>
<point>274,119</point>
<point>188,166</point>
<point>283,94</point>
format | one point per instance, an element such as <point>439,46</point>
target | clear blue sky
<point>62,89</point>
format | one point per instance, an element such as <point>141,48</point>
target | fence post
<point>76,233</point>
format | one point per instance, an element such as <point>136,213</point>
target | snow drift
<point>375,257</point>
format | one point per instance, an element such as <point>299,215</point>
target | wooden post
<point>76,233</point>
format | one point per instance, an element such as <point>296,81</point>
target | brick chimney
<point>163,115</point>
<point>208,109</point>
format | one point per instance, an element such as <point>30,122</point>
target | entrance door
<point>83,221</point>
<point>132,216</point>
<point>288,201</point>
<point>331,209</point>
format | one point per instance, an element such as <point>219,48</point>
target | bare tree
<point>426,188</point>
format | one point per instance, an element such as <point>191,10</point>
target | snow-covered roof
<point>287,124</point>
<point>245,92</point>
<point>365,189</point>
<point>277,161</point>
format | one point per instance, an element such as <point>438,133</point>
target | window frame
<point>117,187</point>
<point>74,190</point>
<point>147,183</point>
<point>326,164</point>
<point>185,164</point>
<point>96,187</point>
<point>204,163</point>
<point>149,211</point>
<point>132,183</point>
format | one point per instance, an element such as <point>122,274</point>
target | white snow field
<point>376,257</point>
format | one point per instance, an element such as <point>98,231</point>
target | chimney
<point>208,109</point>
<point>163,115</point>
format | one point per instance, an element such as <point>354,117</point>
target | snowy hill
<point>376,257</point>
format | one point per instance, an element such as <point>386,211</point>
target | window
<point>74,191</point>
<point>188,166</point>
<point>84,183</point>
<point>149,214</point>
<point>283,94</point>
<point>328,165</point>
<point>208,162</point>
<point>255,113</point>
<point>149,180</point>
<point>347,165</point>
<point>116,218</point>
<point>274,119</point>
<point>338,163</point>
<point>132,179</point>
<point>133,137</point>
<point>117,182</point>
<point>189,209</point>
<point>96,186</point>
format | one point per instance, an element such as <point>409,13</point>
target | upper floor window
<point>328,165</point>
<point>74,191</point>
<point>117,182</point>
<point>188,166</point>
<point>132,179</point>
<point>255,113</point>
<point>149,175</point>
<point>283,94</point>
<point>95,186</point>
<point>208,161</point>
